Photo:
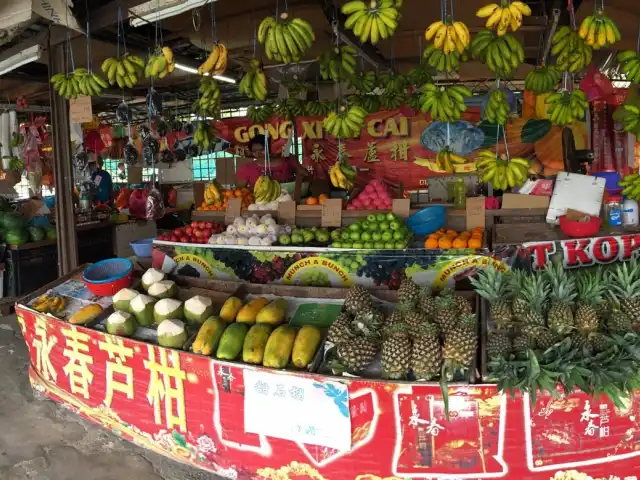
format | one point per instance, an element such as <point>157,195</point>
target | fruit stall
<point>274,380</point>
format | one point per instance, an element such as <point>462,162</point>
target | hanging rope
<point>214,27</point>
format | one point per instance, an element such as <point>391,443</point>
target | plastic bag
<point>138,203</point>
<point>155,206</point>
<point>130,154</point>
<point>80,160</point>
<point>162,129</point>
<point>167,156</point>
<point>30,147</point>
<point>596,85</point>
<point>123,113</point>
<point>122,201</point>
<point>154,103</point>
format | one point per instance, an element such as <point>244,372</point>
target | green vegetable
<point>36,233</point>
<point>17,237</point>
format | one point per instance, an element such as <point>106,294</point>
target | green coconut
<point>167,308</point>
<point>163,289</point>
<point>122,299</point>
<point>142,308</point>
<point>121,323</point>
<point>197,309</point>
<point>152,276</point>
<point>171,333</point>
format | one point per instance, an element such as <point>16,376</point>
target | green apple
<point>322,236</point>
<point>391,217</point>
<point>372,218</point>
<point>354,266</point>
<point>368,245</point>
<point>398,235</point>
<point>401,245</point>
<point>296,238</point>
<point>345,236</point>
<point>387,236</point>
<point>354,227</point>
<point>376,236</point>
<point>365,236</point>
<point>314,229</point>
<point>395,225</point>
<point>336,245</point>
<point>380,217</point>
<point>284,239</point>
<point>346,244</point>
<point>354,236</point>
<point>365,225</point>
<point>308,236</point>
<point>358,245</point>
<point>389,245</point>
<point>379,245</point>
<point>335,235</point>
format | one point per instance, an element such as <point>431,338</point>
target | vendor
<point>280,169</point>
<point>104,183</point>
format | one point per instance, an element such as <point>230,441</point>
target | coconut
<point>167,308</point>
<point>121,323</point>
<point>171,333</point>
<point>197,309</point>
<point>152,276</point>
<point>163,289</point>
<point>142,308</point>
<point>122,299</point>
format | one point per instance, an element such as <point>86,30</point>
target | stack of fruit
<point>451,239</point>
<point>253,230</point>
<point>305,237</point>
<point>255,333</point>
<point>377,231</point>
<point>216,199</point>
<point>374,196</point>
<point>555,328</point>
<point>426,337</point>
<point>195,232</point>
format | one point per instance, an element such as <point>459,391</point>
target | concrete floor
<point>41,441</point>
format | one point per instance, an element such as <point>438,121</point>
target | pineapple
<point>579,341</point>
<point>515,287</point>
<point>560,317</point>
<point>414,320</point>
<point>498,345</point>
<point>625,283</point>
<point>546,338</point>
<point>535,291</point>
<point>446,316</point>
<point>357,299</point>
<point>463,306</point>
<point>426,354</point>
<point>408,292</point>
<point>599,342</point>
<point>340,330</point>
<point>619,322</point>
<point>522,343</point>
<point>396,352</point>
<point>492,285</point>
<point>460,346</point>
<point>368,322</point>
<point>354,356</point>
<point>590,291</point>
<point>395,317</point>
<point>427,303</point>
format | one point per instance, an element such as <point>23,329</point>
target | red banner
<point>396,144</point>
<point>191,409</point>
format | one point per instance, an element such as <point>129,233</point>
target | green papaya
<point>232,340</point>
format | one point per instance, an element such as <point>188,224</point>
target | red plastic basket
<point>578,229</point>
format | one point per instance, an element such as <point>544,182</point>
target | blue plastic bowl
<point>427,220</point>
<point>50,202</point>
<point>106,271</point>
<point>142,248</point>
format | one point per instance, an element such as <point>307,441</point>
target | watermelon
<point>17,237</point>
<point>36,233</point>
<point>534,130</point>
<point>13,221</point>
<point>51,233</point>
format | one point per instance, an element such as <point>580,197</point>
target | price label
<point>331,213</point>
<point>287,213</point>
<point>401,207</point>
<point>475,212</point>
<point>80,109</point>
<point>299,409</point>
<point>234,209</point>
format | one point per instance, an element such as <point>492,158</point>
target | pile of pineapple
<point>556,327</point>
<point>425,335</point>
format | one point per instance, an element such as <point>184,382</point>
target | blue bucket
<point>427,220</point>
<point>108,270</point>
<point>142,248</point>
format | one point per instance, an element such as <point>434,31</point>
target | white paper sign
<point>295,408</point>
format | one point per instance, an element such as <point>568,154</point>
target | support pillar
<point>62,167</point>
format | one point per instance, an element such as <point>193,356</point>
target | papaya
<point>274,313</point>
<point>230,309</point>
<point>86,314</point>
<point>305,346</point>
<point>208,336</point>
<point>279,347</point>
<point>249,312</point>
<point>232,341</point>
<point>255,343</point>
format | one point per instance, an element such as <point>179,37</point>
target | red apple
<point>177,232</point>
<point>174,238</point>
<point>184,239</point>
<point>189,230</point>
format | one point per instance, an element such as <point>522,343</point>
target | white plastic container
<point>630,213</point>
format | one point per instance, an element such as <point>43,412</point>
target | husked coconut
<point>197,309</point>
<point>121,323</point>
<point>152,276</point>
<point>122,299</point>
<point>167,308</point>
<point>171,333</point>
<point>142,308</point>
<point>163,289</point>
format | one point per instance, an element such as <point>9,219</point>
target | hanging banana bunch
<point>497,109</point>
<point>216,62</point>
<point>364,82</point>
<point>542,79</point>
<point>502,172</point>
<point>338,64</point>
<point>318,109</point>
<point>285,40</point>
<point>208,105</point>
<point>125,71</point>
<point>346,123</point>
<point>630,65</point>
<point>444,104</point>
<point>505,16</point>
<point>160,64</point>
<point>79,82</point>
<point>254,83</point>
<point>566,107</point>
<point>571,51</point>
<point>260,113</point>
<point>502,54</point>
<point>599,31</point>
<point>448,36</point>
<point>373,21</point>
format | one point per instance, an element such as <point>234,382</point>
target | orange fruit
<point>465,235</point>
<point>441,230</point>
<point>431,243</point>
<point>475,243</point>
<point>322,198</point>
<point>238,193</point>
<point>312,201</point>
<point>459,243</point>
<point>445,242</point>
<point>452,232</point>
<point>436,235</point>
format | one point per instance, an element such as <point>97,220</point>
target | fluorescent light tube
<point>155,10</point>
<point>188,69</point>
<point>27,55</point>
